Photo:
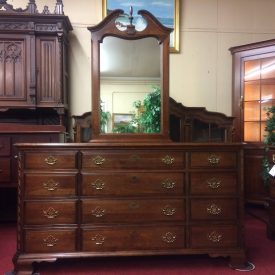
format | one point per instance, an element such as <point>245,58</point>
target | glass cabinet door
<point>258,96</point>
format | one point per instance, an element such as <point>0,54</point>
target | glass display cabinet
<point>253,92</point>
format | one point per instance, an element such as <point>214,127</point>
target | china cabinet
<point>135,192</point>
<point>253,92</point>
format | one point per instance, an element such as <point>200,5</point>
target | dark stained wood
<point>33,96</point>
<point>104,213</point>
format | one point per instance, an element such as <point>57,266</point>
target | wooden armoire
<point>33,86</point>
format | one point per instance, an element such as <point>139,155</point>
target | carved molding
<point>31,8</point>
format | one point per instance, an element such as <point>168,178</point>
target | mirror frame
<point>154,29</point>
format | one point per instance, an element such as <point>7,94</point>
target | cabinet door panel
<point>13,70</point>
<point>48,64</point>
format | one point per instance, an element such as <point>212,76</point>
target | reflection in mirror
<point>130,85</point>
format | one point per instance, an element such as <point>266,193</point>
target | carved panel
<point>12,69</point>
<point>48,72</point>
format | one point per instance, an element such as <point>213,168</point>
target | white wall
<point>200,75</point>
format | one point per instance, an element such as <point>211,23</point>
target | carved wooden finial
<point>32,8</point>
<point>59,7</point>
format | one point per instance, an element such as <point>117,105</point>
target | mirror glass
<point>130,85</point>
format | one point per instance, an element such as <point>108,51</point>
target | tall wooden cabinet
<point>33,85</point>
<point>253,92</point>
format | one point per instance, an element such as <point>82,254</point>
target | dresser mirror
<point>130,78</point>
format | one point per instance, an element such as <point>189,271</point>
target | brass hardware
<point>98,184</point>
<point>98,239</point>
<point>134,205</point>
<point>214,209</point>
<point>51,160</point>
<point>169,237</point>
<point>168,210</point>
<point>51,185</point>
<point>214,237</point>
<point>168,160</point>
<point>213,159</point>
<point>51,213</point>
<point>98,160</point>
<point>168,184</point>
<point>213,183</point>
<point>273,158</point>
<point>98,212</point>
<point>50,241</point>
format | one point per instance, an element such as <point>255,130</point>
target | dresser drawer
<point>133,238</point>
<point>213,159</point>
<point>52,240</point>
<point>50,212</point>
<point>136,210</point>
<point>204,183</point>
<point>5,146</point>
<point>132,183</point>
<point>50,185</point>
<point>213,209</point>
<point>50,160</point>
<point>5,173</point>
<point>212,236</point>
<point>134,160</point>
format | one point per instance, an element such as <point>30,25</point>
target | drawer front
<point>124,184</point>
<point>50,212</point>
<point>5,146</point>
<point>5,173</point>
<point>125,211</point>
<point>213,236</point>
<point>133,238</point>
<point>213,159</point>
<point>49,185</point>
<point>50,160</point>
<point>134,160</point>
<point>213,209</point>
<point>52,240</point>
<point>213,183</point>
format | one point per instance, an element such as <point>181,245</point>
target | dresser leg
<point>239,262</point>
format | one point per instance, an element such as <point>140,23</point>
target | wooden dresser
<point>97,199</point>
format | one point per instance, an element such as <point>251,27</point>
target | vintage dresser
<point>89,200</point>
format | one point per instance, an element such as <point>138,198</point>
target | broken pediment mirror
<point>130,78</point>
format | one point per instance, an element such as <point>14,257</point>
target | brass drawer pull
<point>214,237</point>
<point>169,237</point>
<point>98,184</point>
<point>51,213</point>
<point>50,241</point>
<point>168,184</point>
<point>213,183</point>
<point>213,159</point>
<point>98,212</point>
<point>168,160</point>
<point>51,160</point>
<point>98,239</point>
<point>98,160</point>
<point>50,185</point>
<point>214,209</point>
<point>168,210</point>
